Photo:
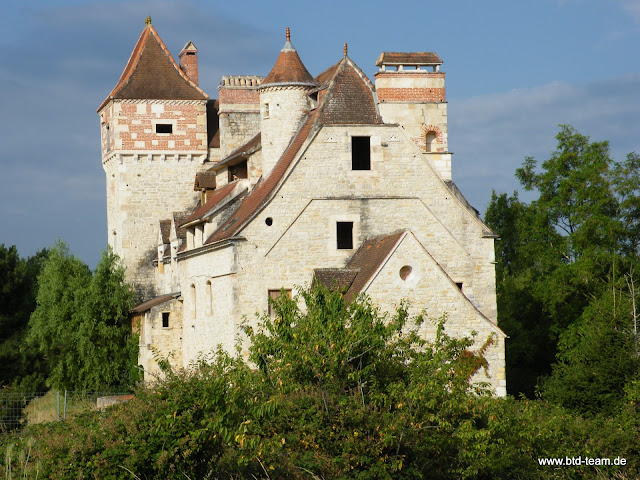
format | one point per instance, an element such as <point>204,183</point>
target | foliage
<point>80,324</point>
<point>566,271</point>
<point>17,301</point>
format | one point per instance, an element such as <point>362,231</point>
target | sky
<point>515,70</point>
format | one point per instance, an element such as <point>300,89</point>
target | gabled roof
<point>369,258</point>
<point>165,231</point>
<point>349,97</point>
<point>408,58</point>
<point>152,73</point>
<point>288,69</point>
<point>339,279</point>
<point>206,180</point>
<point>178,220</point>
<point>261,193</point>
<point>216,198</point>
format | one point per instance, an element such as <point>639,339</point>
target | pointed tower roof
<point>152,73</point>
<point>348,96</point>
<point>288,69</point>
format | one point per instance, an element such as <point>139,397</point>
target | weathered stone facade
<point>329,174</point>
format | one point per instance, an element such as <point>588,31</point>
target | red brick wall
<point>188,133</point>
<point>411,94</point>
<point>239,95</point>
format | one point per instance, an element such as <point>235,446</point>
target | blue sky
<point>515,70</point>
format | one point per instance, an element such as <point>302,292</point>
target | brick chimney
<point>189,61</point>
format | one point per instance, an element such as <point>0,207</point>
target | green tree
<point>560,257</point>
<point>17,300</point>
<point>80,324</point>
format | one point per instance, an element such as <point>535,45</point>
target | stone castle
<point>215,206</point>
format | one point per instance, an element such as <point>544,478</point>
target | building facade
<point>215,206</point>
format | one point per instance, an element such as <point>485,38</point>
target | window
<point>165,319</point>
<point>360,153</point>
<point>344,235</point>
<point>209,292</point>
<point>164,128</point>
<point>238,171</point>
<point>274,295</point>
<point>265,110</point>
<point>430,142</point>
<point>193,301</point>
<point>108,134</point>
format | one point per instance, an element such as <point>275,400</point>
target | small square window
<point>165,319</point>
<point>361,153</point>
<point>344,235</point>
<point>164,128</point>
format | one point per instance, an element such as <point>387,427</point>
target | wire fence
<point>18,409</point>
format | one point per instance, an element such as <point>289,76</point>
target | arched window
<point>209,298</point>
<point>430,142</point>
<point>194,309</point>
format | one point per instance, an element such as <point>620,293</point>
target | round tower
<point>284,100</point>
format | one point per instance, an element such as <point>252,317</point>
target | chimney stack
<point>189,61</point>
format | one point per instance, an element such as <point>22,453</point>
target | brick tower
<point>154,140</point>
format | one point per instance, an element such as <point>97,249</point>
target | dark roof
<point>408,58</point>
<point>328,74</point>
<point>339,279</point>
<point>178,220</point>
<point>165,231</point>
<point>213,124</point>
<point>241,152</point>
<point>368,260</point>
<point>288,69</point>
<point>152,73</point>
<point>349,98</point>
<point>147,305</point>
<point>214,199</point>
<point>261,193</point>
<point>205,180</point>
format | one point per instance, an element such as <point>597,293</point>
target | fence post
<point>58,405</point>
<point>64,412</point>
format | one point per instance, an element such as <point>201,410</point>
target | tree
<point>17,300</point>
<point>80,323</point>
<point>561,255</point>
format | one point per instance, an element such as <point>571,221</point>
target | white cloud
<point>492,134</point>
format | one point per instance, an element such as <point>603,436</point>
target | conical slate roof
<point>152,73</point>
<point>288,69</point>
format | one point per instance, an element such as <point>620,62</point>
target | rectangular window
<point>164,128</point>
<point>165,319</point>
<point>344,235</point>
<point>273,295</point>
<point>360,153</point>
<point>265,110</point>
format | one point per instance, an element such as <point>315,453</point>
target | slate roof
<point>165,231</point>
<point>349,98</point>
<point>288,69</point>
<point>339,279</point>
<point>148,304</point>
<point>369,258</point>
<point>261,193</point>
<point>214,199</point>
<point>152,73</point>
<point>408,58</point>
<point>206,180</point>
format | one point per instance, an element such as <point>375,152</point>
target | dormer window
<point>164,128</point>
<point>238,171</point>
